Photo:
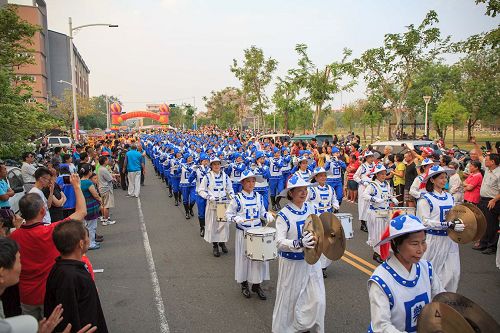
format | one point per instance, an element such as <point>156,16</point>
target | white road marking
<point>152,271</point>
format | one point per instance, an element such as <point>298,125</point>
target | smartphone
<point>66,179</point>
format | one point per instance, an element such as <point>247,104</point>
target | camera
<point>7,218</point>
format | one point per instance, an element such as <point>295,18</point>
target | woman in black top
<point>56,210</point>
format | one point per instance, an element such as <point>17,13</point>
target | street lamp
<point>427,99</point>
<point>72,58</point>
<point>62,81</point>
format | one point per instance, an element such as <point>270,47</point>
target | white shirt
<point>46,218</point>
<point>28,173</point>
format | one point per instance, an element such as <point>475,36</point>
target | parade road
<point>160,275</point>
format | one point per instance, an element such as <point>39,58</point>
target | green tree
<point>255,74</point>
<point>63,109</point>
<point>449,112</point>
<point>393,67</point>
<point>492,7</point>
<point>285,99</point>
<point>480,86</point>
<point>350,115</point>
<point>227,107</point>
<point>318,85</point>
<point>19,118</point>
<point>433,80</point>
<point>372,112</point>
<point>96,118</point>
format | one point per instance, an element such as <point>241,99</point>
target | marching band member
<point>324,198</point>
<point>303,169</point>
<point>285,169</point>
<point>187,186</point>
<point>334,169</point>
<point>432,209</point>
<point>201,203</point>
<point>262,187</point>
<point>234,170</point>
<point>175,174</point>
<point>379,195</point>
<point>166,171</point>
<point>246,210</point>
<point>300,293</point>
<point>362,177</point>
<point>276,176</point>
<point>401,286</point>
<point>416,190</point>
<point>215,187</point>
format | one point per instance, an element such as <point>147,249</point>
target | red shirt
<point>474,179</point>
<point>353,167</point>
<point>38,255</point>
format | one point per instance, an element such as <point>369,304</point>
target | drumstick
<point>274,215</point>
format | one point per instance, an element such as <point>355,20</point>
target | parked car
<point>282,137</point>
<point>16,183</point>
<point>398,146</point>
<point>320,138</point>
<point>59,141</point>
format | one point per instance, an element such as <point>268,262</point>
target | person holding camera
<point>37,249</point>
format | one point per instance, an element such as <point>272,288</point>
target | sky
<point>177,51</point>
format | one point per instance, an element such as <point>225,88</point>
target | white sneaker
<point>108,222</point>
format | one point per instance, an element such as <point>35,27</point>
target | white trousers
<point>134,183</point>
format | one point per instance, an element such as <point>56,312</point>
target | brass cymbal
<point>313,225</point>
<point>466,215</point>
<point>480,219</point>
<point>480,320</point>
<point>438,317</point>
<point>334,243</point>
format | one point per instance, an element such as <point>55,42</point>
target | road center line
<point>361,260</point>
<point>152,271</point>
<point>356,265</point>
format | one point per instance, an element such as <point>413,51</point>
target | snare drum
<point>261,244</point>
<point>381,212</point>
<point>404,210</point>
<point>346,221</point>
<point>221,208</point>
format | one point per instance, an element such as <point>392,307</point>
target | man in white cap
<point>216,188</point>
<point>362,176</point>
<point>247,210</point>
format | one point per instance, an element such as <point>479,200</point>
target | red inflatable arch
<point>117,117</point>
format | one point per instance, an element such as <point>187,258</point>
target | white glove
<point>211,198</point>
<point>395,201</point>
<point>434,224</point>
<point>336,207</point>
<point>457,225</point>
<point>308,241</point>
<point>269,218</point>
<point>238,219</point>
<point>364,183</point>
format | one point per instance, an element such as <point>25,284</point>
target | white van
<point>59,141</point>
